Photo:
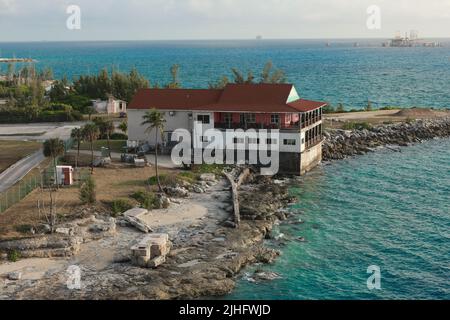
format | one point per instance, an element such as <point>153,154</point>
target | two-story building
<point>260,107</point>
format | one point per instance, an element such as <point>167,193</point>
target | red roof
<point>174,99</point>
<point>303,105</point>
<point>234,97</point>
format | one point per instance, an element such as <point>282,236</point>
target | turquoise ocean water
<point>338,74</point>
<point>387,209</point>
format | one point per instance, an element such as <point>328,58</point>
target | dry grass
<point>13,151</point>
<point>119,181</point>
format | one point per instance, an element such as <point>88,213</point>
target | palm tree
<point>77,135</point>
<point>155,121</point>
<point>123,127</point>
<point>91,133</point>
<point>54,148</point>
<point>106,128</point>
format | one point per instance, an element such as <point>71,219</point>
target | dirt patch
<point>119,181</point>
<point>13,151</point>
<point>421,113</point>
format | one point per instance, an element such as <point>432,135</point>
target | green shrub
<point>147,200</point>
<point>23,228</point>
<point>119,206</point>
<point>357,126</point>
<point>340,108</point>
<point>168,180</point>
<point>118,136</point>
<point>188,176</point>
<point>87,191</point>
<point>13,255</point>
<point>208,168</point>
<point>328,109</point>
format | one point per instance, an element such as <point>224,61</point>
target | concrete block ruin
<point>151,251</point>
<point>133,217</point>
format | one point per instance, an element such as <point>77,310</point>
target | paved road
<point>34,132</point>
<point>38,131</point>
<point>17,171</point>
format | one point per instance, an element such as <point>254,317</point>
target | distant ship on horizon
<point>410,41</point>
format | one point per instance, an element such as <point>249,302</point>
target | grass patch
<point>116,145</point>
<point>357,126</point>
<point>13,255</point>
<point>208,168</point>
<point>171,180</point>
<point>23,228</point>
<point>147,200</point>
<point>119,206</point>
<point>13,151</point>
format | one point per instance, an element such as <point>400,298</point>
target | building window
<point>271,141</point>
<point>203,118</point>
<point>275,118</point>
<point>238,140</point>
<point>303,140</point>
<point>250,118</point>
<point>289,142</point>
<point>204,139</point>
<point>227,117</point>
<point>253,140</point>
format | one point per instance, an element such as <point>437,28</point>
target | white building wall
<point>174,120</point>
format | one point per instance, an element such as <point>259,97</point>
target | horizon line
<point>212,39</point>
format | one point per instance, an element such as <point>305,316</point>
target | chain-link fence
<point>45,178</point>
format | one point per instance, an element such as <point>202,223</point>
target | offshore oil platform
<point>412,40</point>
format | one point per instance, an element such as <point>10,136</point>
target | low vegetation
<point>87,191</point>
<point>13,151</point>
<point>119,206</point>
<point>13,255</point>
<point>357,126</point>
<point>147,200</point>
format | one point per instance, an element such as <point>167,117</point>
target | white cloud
<point>7,6</point>
<point>158,19</point>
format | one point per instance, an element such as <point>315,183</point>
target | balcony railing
<point>245,126</point>
<point>310,122</point>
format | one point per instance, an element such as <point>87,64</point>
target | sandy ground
<point>380,116</point>
<point>186,211</point>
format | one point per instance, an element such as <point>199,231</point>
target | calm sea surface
<point>340,73</point>
<point>387,209</point>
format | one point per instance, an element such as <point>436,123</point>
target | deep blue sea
<point>387,209</point>
<point>340,73</point>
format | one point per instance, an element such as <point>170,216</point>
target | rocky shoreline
<point>205,259</point>
<point>340,144</point>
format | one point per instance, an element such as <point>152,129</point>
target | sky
<point>46,20</point>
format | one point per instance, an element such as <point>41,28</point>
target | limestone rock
<point>211,177</point>
<point>15,276</point>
